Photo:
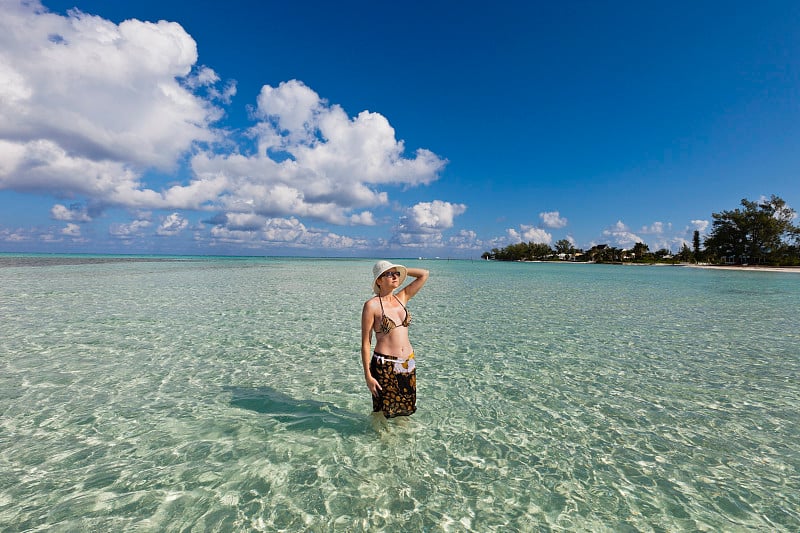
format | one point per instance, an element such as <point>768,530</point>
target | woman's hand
<point>373,385</point>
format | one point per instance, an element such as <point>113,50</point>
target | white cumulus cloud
<point>71,230</point>
<point>172,224</point>
<point>656,228</point>
<point>73,213</point>
<point>104,114</point>
<point>465,239</point>
<point>528,233</point>
<point>313,160</point>
<point>621,235</point>
<point>98,90</point>
<point>254,231</point>
<point>128,231</point>
<point>365,218</point>
<point>433,216</point>
<point>553,219</point>
<point>423,224</point>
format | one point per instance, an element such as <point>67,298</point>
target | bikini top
<point>387,324</point>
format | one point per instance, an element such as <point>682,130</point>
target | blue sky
<point>435,129</point>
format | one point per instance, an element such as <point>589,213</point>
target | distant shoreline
<point>9,259</point>
<point>742,268</point>
<point>749,268</point>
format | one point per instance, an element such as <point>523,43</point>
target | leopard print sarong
<point>398,381</point>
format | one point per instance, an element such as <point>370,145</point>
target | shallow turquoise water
<point>227,395</point>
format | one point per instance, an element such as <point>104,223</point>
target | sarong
<point>398,381</point>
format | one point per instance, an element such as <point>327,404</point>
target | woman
<point>390,371</point>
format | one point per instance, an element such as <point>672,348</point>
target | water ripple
<point>227,395</point>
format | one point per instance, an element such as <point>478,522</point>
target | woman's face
<point>390,278</point>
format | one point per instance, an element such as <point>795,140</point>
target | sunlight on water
<point>227,394</point>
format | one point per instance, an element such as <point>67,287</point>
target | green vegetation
<point>757,234</point>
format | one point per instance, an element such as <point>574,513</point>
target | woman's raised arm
<point>420,276</point>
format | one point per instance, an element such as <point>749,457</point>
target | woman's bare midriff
<point>394,344</point>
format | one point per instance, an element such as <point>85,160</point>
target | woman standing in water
<point>390,371</point>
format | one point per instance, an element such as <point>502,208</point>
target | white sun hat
<point>381,267</point>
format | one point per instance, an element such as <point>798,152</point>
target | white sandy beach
<point>751,268</point>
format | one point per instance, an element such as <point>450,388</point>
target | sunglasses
<point>387,274</point>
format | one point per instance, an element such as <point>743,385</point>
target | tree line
<point>756,233</point>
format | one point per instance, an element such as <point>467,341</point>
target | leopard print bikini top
<point>387,324</point>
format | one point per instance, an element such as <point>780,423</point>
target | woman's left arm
<point>420,276</point>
